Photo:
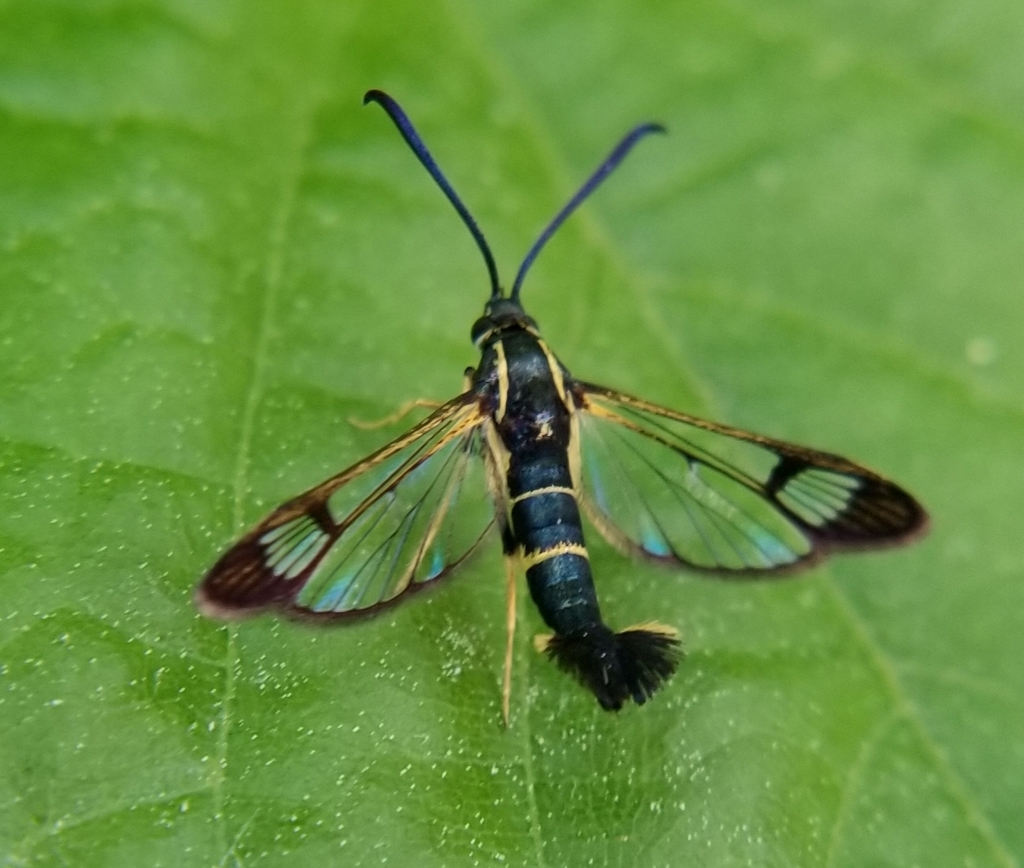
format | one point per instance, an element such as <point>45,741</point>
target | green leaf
<point>211,257</point>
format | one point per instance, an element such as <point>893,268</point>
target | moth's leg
<point>404,410</point>
<point>510,625</point>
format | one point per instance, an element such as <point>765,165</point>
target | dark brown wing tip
<point>923,526</point>
<point>220,610</point>
<point>239,585</point>
<point>918,525</point>
<point>885,516</point>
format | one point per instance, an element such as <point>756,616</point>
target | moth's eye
<point>481,328</point>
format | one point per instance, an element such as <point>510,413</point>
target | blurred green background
<point>211,256</point>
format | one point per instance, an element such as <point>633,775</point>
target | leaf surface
<point>212,257</point>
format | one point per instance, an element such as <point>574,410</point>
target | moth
<point>528,449</point>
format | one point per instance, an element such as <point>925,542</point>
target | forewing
<point>399,520</point>
<point>684,491</point>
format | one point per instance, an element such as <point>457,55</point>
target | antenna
<point>609,165</point>
<point>413,140</point>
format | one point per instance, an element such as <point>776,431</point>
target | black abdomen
<point>546,524</point>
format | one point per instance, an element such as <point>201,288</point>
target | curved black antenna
<point>413,140</point>
<point>602,172</point>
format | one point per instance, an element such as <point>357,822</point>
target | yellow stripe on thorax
<point>556,373</point>
<point>499,349</point>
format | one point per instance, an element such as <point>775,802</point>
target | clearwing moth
<point>527,448</point>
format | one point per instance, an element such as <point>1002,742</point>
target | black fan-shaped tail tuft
<point>616,667</point>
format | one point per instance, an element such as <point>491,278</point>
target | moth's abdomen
<point>545,522</point>
<point>617,667</point>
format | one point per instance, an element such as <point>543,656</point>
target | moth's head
<point>502,315</point>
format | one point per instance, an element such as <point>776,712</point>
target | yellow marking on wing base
<point>499,348</point>
<point>331,485</point>
<point>531,559</point>
<point>547,489</point>
<point>542,641</point>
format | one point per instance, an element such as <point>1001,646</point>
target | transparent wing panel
<point>411,534</point>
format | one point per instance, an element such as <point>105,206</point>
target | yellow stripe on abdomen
<point>547,489</point>
<point>531,559</point>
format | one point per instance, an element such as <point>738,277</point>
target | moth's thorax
<point>524,386</point>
